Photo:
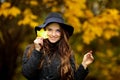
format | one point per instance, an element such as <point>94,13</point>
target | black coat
<point>49,69</point>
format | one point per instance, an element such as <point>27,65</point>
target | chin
<point>53,41</point>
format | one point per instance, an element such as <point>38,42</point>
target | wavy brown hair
<point>66,71</point>
<point>65,54</point>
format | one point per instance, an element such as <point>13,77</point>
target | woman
<point>52,58</point>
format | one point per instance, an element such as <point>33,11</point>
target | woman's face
<point>54,32</point>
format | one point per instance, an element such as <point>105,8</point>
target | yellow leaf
<point>42,33</point>
<point>4,9</point>
<point>5,5</point>
<point>4,12</point>
<point>33,23</point>
<point>14,11</point>
<point>88,36</point>
<point>108,34</point>
<point>26,20</point>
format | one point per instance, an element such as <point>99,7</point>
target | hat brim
<point>66,27</point>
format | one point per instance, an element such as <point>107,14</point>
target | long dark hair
<point>65,52</point>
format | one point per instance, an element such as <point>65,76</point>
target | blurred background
<point>97,28</point>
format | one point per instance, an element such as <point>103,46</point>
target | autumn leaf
<point>42,33</point>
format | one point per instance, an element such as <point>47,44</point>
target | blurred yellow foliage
<point>45,1</point>
<point>109,53</point>
<point>88,14</point>
<point>6,10</point>
<point>14,11</point>
<point>75,7</point>
<point>79,47</point>
<point>106,62</point>
<point>50,3</point>
<point>34,2</point>
<point>88,36</point>
<point>109,34</point>
<point>75,22</point>
<point>54,9</point>
<point>105,25</point>
<point>28,19</point>
<point>74,10</point>
<point>5,5</point>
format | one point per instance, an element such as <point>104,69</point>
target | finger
<point>91,57</point>
<point>90,51</point>
<point>39,38</point>
<point>35,41</point>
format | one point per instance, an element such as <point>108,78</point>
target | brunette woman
<point>53,58</point>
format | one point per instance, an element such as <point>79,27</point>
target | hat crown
<point>57,18</point>
<point>54,16</point>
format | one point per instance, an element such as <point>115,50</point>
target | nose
<point>53,33</point>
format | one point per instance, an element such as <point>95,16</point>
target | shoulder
<point>29,46</point>
<point>29,49</point>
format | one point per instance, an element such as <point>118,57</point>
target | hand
<point>87,59</point>
<point>38,43</point>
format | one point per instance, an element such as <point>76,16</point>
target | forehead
<point>53,26</point>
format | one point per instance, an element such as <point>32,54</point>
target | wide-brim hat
<point>57,18</point>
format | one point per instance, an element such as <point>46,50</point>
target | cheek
<point>58,34</point>
<point>48,33</point>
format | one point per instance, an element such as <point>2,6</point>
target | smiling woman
<point>54,32</point>
<point>52,58</point>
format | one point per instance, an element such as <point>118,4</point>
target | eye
<point>49,29</point>
<point>58,30</point>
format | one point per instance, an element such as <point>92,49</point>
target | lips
<point>53,38</point>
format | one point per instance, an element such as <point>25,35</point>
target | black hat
<point>56,17</point>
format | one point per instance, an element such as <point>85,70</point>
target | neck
<point>53,44</point>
